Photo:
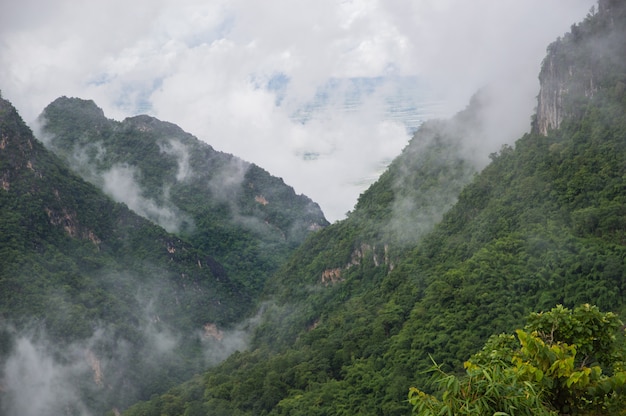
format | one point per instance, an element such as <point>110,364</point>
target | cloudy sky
<point>240,74</point>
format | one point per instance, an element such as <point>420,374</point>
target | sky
<point>268,81</point>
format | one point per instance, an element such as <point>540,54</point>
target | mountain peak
<point>146,123</point>
<point>579,63</point>
<point>181,183</point>
<point>74,104</point>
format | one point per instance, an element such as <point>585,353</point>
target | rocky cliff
<point>576,65</point>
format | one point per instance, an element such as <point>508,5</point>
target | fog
<point>181,153</point>
<point>36,384</point>
<point>121,181</point>
<point>104,372</point>
<point>120,184</point>
<point>250,79</point>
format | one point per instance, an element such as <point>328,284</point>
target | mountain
<point>363,308</point>
<point>100,307</point>
<point>248,220</point>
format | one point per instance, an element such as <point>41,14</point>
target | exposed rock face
<point>331,276</point>
<point>96,368</point>
<point>550,101</point>
<point>334,275</point>
<point>211,331</point>
<point>576,65</point>
<point>562,78</point>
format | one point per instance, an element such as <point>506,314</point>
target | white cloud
<point>37,384</point>
<point>180,151</point>
<point>206,65</point>
<point>120,183</point>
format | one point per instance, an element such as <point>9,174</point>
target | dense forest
<point>201,285</point>
<point>80,271</point>
<point>361,312</point>
<point>122,307</point>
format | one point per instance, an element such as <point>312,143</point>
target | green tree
<point>563,362</point>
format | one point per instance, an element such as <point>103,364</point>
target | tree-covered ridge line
<point>245,218</point>
<point>541,225</point>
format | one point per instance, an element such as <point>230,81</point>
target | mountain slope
<point>359,321</point>
<point>246,218</point>
<point>84,280</point>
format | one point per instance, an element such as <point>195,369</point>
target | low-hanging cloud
<point>41,376</point>
<point>120,184</point>
<point>218,344</point>
<point>180,151</point>
<point>120,181</point>
<point>35,383</point>
<point>105,371</point>
<point>211,67</point>
<point>225,182</point>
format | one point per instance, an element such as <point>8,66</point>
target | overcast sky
<point>213,66</point>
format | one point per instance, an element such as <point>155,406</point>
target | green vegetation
<point>78,268</point>
<point>246,219</point>
<point>563,362</point>
<point>361,310</point>
<point>435,259</point>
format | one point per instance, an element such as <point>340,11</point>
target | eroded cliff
<point>578,64</point>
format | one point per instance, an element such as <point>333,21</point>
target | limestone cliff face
<point>561,80</point>
<point>576,65</point>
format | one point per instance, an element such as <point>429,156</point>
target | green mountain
<point>100,307</point>
<point>363,307</point>
<point>248,220</point>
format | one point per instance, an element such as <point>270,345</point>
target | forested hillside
<point>247,219</point>
<point>365,306</point>
<point>98,304</point>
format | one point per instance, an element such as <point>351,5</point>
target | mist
<point>226,181</point>
<point>253,80</point>
<point>121,181</point>
<point>120,184</point>
<point>179,150</point>
<point>35,383</point>
<point>218,344</point>
<point>115,366</point>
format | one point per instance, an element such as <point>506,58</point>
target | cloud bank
<point>234,72</point>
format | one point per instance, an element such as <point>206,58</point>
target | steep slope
<point>358,323</point>
<point>84,280</point>
<point>390,217</point>
<point>247,219</point>
<point>587,60</point>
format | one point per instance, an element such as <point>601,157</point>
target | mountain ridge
<point>542,224</point>
<point>438,255</point>
<point>174,179</point>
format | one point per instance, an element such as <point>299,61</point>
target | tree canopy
<point>563,362</point>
